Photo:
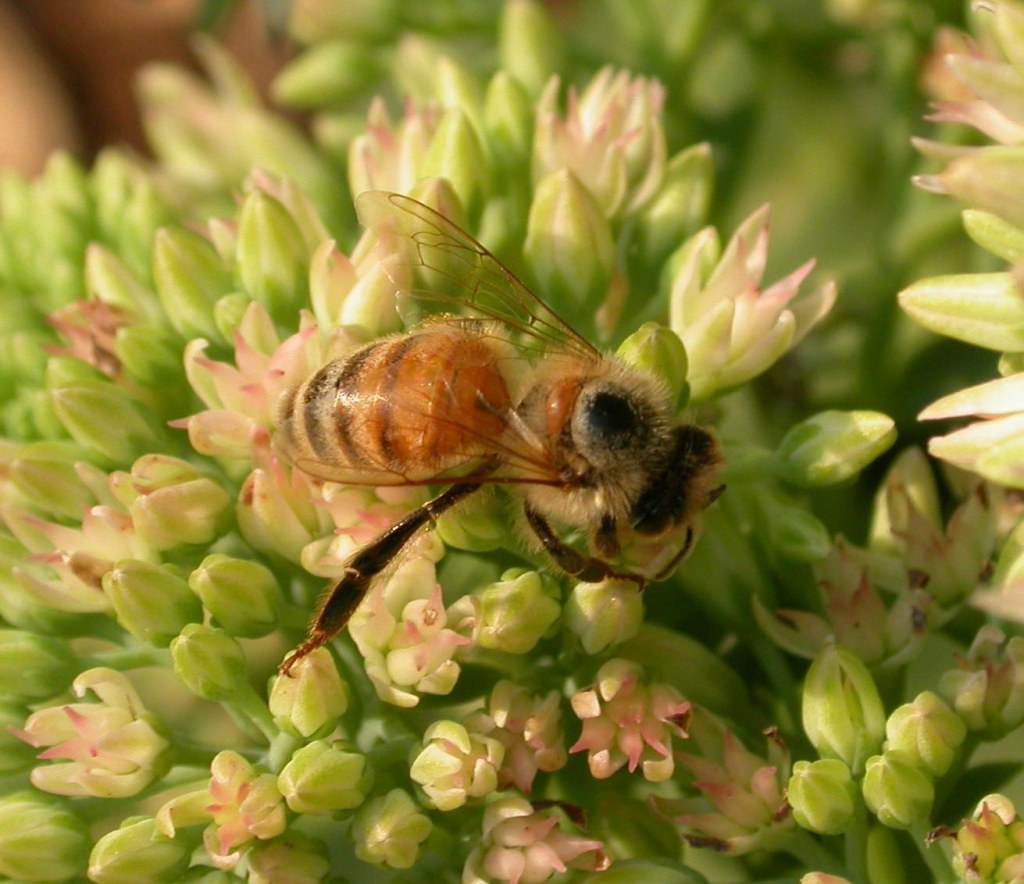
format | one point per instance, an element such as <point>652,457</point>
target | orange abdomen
<point>424,400</point>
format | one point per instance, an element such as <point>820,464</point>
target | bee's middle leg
<point>341,601</point>
<point>587,569</point>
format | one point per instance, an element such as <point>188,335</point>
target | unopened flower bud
<point>102,417</point>
<point>327,73</point>
<point>508,120</point>
<point>189,277</point>
<point>138,851</point>
<point>516,612</point>
<point>896,791</point>
<point>909,483</point>
<point>33,667</point>
<point>680,206</point>
<point>456,155</point>
<point>151,601</point>
<point>209,662</point>
<point>45,474</point>
<point>456,765</point>
<point>604,614</point>
<point>310,699</point>
<point>242,595</point>
<point>272,255</point>
<point>927,731</point>
<point>323,777</point>
<point>40,840</point>
<point>569,247</point>
<point>389,830</point>
<point>822,795</point>
<point>530,45</point>
<point>172,503</point>
<point>843,715</point>
<point>657,350</point>
<point>823,878</point>
<point>832,446</point>
<point>291,859</point>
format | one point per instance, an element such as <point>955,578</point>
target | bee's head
<point>611,426</point>
<point>681,486</point>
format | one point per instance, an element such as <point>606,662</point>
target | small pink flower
<point>109,749</point>
<point>521,845</point>
<point>239,804</point>
<point>747,791</point>
<point>629,723</point>
<point>530,729</point>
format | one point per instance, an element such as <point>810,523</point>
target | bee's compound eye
<point>610,417</point>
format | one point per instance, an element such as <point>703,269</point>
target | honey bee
<point>492,387</point>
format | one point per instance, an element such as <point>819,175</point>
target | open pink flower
<point>628,723</point>
<point>521,845</point>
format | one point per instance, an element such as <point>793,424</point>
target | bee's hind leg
<point>584,568</point>
<point>340,602</point>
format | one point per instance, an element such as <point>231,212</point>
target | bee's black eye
<point>610,417</point>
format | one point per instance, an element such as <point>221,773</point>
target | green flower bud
<point>328,73</point>
<point>138,853</point>
<point>790,528</point>
<point>209,662</point>
<point>291,859</point>
<point>103,418</point>
<point>927,731</point>
<point>992,233</point>
<point>323,777</point>
<point>148,354</point>
<point>529,44</point>
<point>604,614</point>
<point>657,350</point>
<point>569,248</point>
<point>310,699</point>
<point>455,765</point>
<point>243,596</point>
<point>843,715</point>
<point>984,309</point>
<point>229,312</point>
<point>823,878</point>
<point>896,791</point>
<point>455,153</point>
<point>40,840</point>
<point>680,206</point>
<point>832,446</point>
<point>909,481</point>
<point>189,277</point>
<point>822,795</point>
<point>388,831</point>
<point>45,474</point>
<point>508,121</point>
<point>272,256</point>
<point>108,280</point>
<point>172,504</point>
<point>515,613</point>
<point>150,601</point>
<point>34,667</point>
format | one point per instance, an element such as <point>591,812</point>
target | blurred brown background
<point>67,68</point>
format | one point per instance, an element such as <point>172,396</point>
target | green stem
<point>128,658</point>
<point>810,853</point>
<point>934,856</point>
<point>281,749</point>
<point>248,704</point>
<point>948,783</point>
<point>773,664</point>
<point>855,845</point>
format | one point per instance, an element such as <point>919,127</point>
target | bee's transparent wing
<point>446,271</point>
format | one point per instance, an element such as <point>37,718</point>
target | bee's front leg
<point>586,569</point>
